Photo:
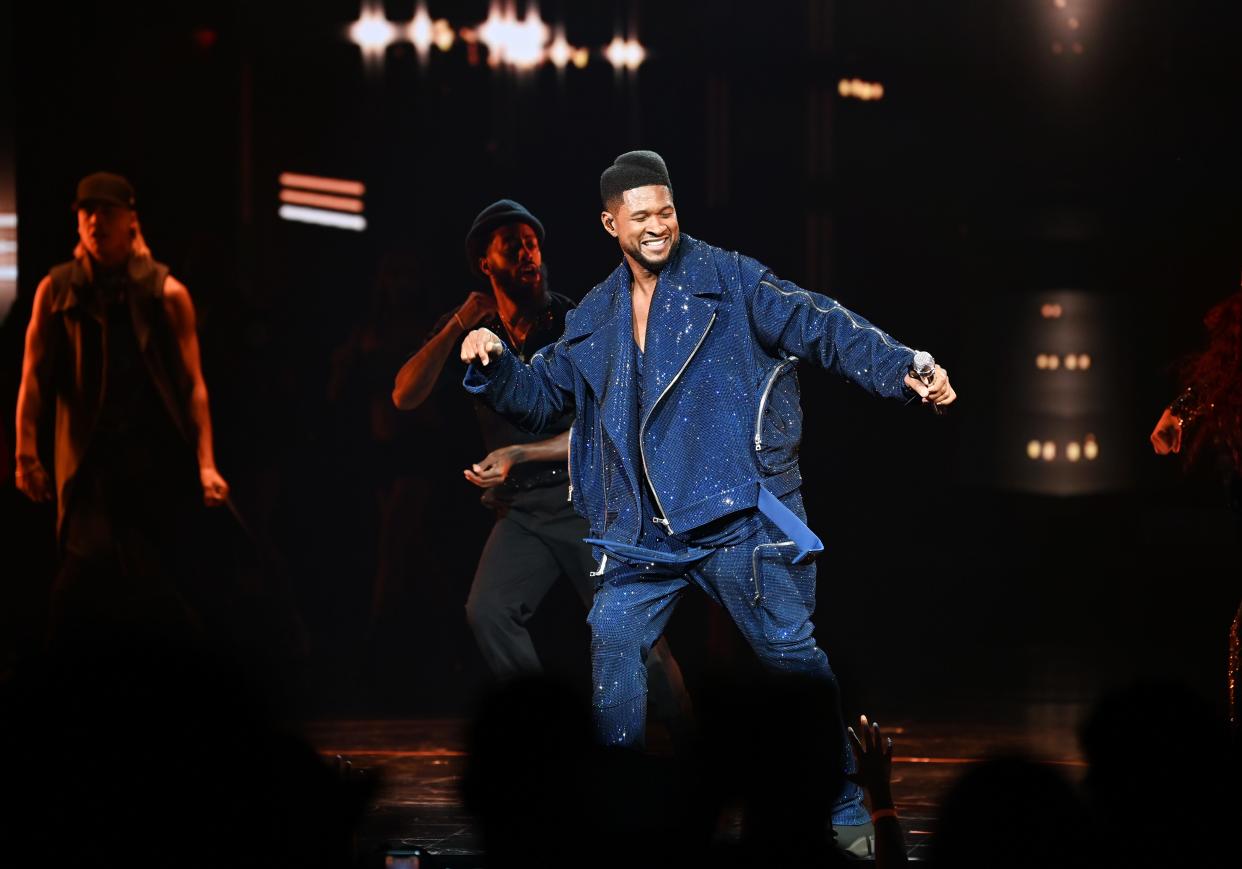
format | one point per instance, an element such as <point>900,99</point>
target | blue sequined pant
<point>769,599</point>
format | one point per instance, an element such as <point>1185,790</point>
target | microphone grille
<point>924,363</point>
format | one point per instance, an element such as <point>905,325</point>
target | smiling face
<point>514,261</point>
<point>106,231</point>
<point>644,223</point>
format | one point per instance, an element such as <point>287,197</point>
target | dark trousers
<point>535,541</point>
<point>122,551</point>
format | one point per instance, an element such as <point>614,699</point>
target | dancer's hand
<point>215,489</point>
<point>939,391</point>
<point>33,481</point>
<point>481,345</point>
<point>874,753</point>
<point>494,468</point>
<point>1166,437</point>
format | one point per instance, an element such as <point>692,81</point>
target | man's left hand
<point>215,489</point>
<point>494,468</point>
<point>939,391</point>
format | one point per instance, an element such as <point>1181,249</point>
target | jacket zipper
<point>763,400</point>
<point>642,452</point>
<point>569,463</point>
<point>888,342</point>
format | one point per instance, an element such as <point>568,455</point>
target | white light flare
<point>625,53</point>
<point>421,31</point>
<point>560,52</point>
<point>319,217</point>
<point>519,44</point>
<point>372,32</point>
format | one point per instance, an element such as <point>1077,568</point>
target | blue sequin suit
<point>673,449</point>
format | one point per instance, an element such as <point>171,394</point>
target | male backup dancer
<point>112,356</point>
<point>537,535</point>
<point>679,369</point>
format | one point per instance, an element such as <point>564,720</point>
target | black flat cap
<point>104,187</point>
<point>499,213</point>
<point>632,169</point>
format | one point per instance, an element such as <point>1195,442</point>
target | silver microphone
<point>924,368</point>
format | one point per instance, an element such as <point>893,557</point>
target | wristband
<point>883,813</point>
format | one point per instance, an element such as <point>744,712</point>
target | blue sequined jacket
<point>720,414</point>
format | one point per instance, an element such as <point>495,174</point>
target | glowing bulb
<point>527,39</point>
<point>1049,451</point>
<point>1090,449</point>
<point>582,56</point>
<point>420,31</point>
<point>1041,361</point>
<point>1071,362</point>
<point>1032,450</point>
<point>560,52</point>
<point>1060,4</point>
<point>1084,361</point>
<point>1054,362</point>
<point>1073,23</point>
<point>372,32</point>
<point>442,34</point>
<point>1073,451</point>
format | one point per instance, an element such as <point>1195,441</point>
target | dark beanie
<point>499,213</point>
<point>632,169</point>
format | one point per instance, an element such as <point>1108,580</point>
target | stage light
<point>1090,449</point>
<point>326,185</point>
<point>627,53</point>
<point>1073,23</point>
<point>1073,451</point>
<point>1033,450</point>
<point>1084,361</point>
<point>442,34</point>
<point>322,200</point>
<point>420,31</point>
<point>334,202</point>
<point>560,52</point>
<point>372,32</point>
<point>519,44</point>
<point>1054,362</point>
<point>1050,311</point>
<point>859,89</point>
<point>1041,361</point>
<point>320,217</point>
<point>1049,451</point>
<point>529,37</point>
<point>1060,4</point>
<point>582,56</point>
<point>1071,362</point>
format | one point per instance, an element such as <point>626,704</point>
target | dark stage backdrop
<point>1003,171</point>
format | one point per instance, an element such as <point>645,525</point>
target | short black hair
<point>632,169</point>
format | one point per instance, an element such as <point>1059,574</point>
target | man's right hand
<point>477,308</point>
<point>33,482</point>
<point>481,345</point>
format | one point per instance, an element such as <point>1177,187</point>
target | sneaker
<point>856,840</point>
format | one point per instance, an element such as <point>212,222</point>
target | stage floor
<point>420,763</point>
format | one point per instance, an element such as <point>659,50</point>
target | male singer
<point>684,449</point>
